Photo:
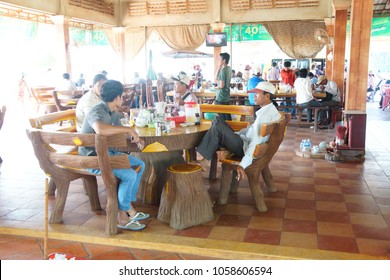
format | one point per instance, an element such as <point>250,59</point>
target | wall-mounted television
<point>217,39</point>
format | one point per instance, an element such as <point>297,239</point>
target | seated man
<point>104,119</point>
<point>88,100</point>
<point>182,93</point>
<point>304,94</point>
<point>66,83</point>
<point>332,96</point>
<point>243,142</point>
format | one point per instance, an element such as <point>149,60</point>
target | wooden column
<point>361,20</point>
<point>217,51</point>
<point>62,39</point>
<point>339,49</point>
<point>120,47</point>
<point>329,48</point>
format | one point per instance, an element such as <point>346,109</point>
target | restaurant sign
<point>83,37</point>
<point>247,32</point>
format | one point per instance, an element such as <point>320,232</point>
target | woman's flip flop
<point>132,225</point>
<point>139,216</point>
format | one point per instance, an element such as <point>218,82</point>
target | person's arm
<point>107,129</point>
<point>331,88</point>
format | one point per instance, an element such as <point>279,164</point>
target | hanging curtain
<point>296,38</point>
<point>134,40</point>
<point>184,37</point>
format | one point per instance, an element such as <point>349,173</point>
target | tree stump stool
<point>185,201</point>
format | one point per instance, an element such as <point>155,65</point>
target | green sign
<point>247,32</point>
<point>87,37</point>
<point>99,38</point>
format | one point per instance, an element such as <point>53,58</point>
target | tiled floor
<point>322,210</point>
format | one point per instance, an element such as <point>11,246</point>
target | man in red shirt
<point>288,78</point>
<point>287,75</point>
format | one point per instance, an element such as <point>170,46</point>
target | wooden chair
<point>65,168</point>
<point>149,93</point>
<point>241,110</point>
<point>2,115</point>
<point>66,99</point>
<point>162,89</point>
<point>58,121</point>
<point>262,156</point>
<point>44,98</point>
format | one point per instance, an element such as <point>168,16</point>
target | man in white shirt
<point>332,94</point>
<point>243,142</point>
<point>273,72</point>
<point>305,97</point>
<point>88,100</point>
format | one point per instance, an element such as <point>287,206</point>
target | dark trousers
<point>226,117</point>
<point>218,136</point>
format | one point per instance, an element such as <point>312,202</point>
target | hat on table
<point>264,86</point>
<point>182,78</point>
<point>320,79</point>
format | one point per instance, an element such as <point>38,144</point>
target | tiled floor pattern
<point>321,210</point>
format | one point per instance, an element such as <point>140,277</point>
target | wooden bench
<point>65,168</point>
<point>316,110</point>
<point>262,156</point>
<point>241,110</point>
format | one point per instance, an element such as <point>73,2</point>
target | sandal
<point>139,216</point>
<point>132,225</point>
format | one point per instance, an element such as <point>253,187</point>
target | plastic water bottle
<point>307,144</point>
<point>302,145</point>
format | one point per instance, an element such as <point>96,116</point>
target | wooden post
<point>329,48</point>
<point>361,21</point>
<point>62,39</point>
<point>339,49</point>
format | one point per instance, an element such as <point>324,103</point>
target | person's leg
<point>220,135</point>
<point>226,117</point>
<point>312,103</point>
<point>136,162</point>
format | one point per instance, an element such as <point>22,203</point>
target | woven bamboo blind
<point>95,5</point>
<point>166,7</point>
<point>242,5</point>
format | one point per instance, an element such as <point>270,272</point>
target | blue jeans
<point>129,181</point>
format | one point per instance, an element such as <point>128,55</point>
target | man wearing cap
<point>182,93</point>
<point>332,95</point>
<point>243,142</point>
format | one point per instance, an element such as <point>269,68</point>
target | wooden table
<point>244,94</point>
<point>156,163</point>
